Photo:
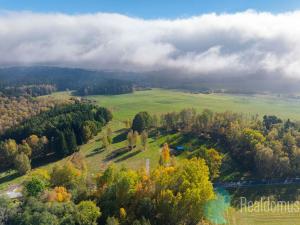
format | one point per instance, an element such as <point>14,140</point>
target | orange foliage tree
<point>59,194</point>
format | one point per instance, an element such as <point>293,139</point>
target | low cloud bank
<point>208,45</point>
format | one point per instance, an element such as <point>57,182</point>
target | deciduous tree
<point>88,213</point>
<point>144,139</point>
<point>22,163</point>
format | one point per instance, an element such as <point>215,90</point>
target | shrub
<point>34,187</point>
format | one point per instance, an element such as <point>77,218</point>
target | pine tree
<point>87,133</point>
<point>59,144</point>
<point>71,141</point>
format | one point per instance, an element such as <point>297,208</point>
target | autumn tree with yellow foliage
<point>165,155</point>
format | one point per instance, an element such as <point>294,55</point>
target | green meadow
<point>160,101</point>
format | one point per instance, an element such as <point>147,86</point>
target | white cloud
<point>235,44</point>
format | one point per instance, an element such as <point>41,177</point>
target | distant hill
<point>85,82</point>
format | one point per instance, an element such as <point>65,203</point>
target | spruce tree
<point>59,144</point>
<point>71,140</point>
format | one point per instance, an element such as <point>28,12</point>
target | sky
<point>150,8</point>
<point>231,38</point>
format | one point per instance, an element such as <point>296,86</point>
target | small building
<point>180,148</point>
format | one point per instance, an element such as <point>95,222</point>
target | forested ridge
<point>43,80</point>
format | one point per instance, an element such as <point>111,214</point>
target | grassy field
<point>161,101</point>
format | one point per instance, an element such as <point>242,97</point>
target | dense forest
<point>14,110</point>
<point>59,131</point>
<point>44,80</point>
<point>112,87</point>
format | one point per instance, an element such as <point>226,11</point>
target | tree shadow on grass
<point>131,154</point>
<point>95,152</point>
<point>9,177</point>
<point>51,158</point>
<point>122,130</point>
<point>117,153</point>
<point>120,137</point>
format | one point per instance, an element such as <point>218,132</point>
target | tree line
<point>111,87</point>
